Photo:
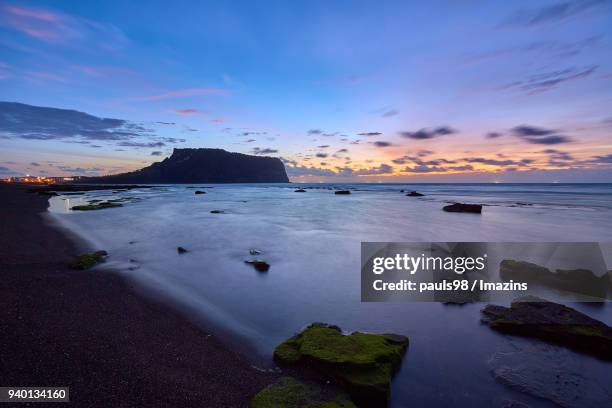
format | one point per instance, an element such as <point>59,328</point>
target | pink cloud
<point>61,28</point>
<point>182,93</point>
<point>36,23</point>
<point>37,14</point>
<point>190,111</point>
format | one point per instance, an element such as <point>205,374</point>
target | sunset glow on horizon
<point>344,91</point>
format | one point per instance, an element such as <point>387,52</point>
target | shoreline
<point>96,333</point>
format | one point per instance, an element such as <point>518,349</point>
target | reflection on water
<point>312,242</point>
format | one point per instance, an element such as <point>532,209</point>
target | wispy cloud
<point>260,151</point>
<point>538,135</point>
<point>550,80</point>
<point>552,13</point>
<point>438,169</point>
<point>423,134</point>
<point>60,28</point>
<point>380,143</point>
<point>188,111</point>
<point>42,123</point>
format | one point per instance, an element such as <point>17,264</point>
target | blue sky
<point>340,90</point>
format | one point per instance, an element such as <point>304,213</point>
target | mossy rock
<point>553,323</point>
<point>87,261</point>
<point>288,392</point>
<point>98,206</point>
<point>362,363</point>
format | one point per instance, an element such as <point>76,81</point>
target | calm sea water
<point>312,241</point>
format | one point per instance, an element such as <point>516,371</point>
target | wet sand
<point>91,331</point>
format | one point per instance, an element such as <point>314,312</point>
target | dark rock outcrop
<point>468,208</point>
<point>181,250</point>
<point>342,192</point>
<point>200,192</point>
<point>362,363</point>
<point>414,194</point>
<point>204,166</point>
<point>552,322</point>
<point>581,281</point>
<point>259,265</point>
<point>300,190</point>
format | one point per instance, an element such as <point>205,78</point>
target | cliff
<point>204,166</point>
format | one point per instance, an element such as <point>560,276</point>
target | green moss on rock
<point>98,206</point>
<point>87,261</point>
<point>288,392</point>
<point>362,363</point>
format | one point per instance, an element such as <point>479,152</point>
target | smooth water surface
<point>312,241</point>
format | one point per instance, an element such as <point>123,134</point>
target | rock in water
<point>551,373</point>
<point>259,265</point>
<point>468,208</point>
<point>87,261</point>
<point>181,250</point>
<point>362,363</point>
<point>216,211</point>
<point>300,190</point>
<point>582,281</point>
<point>344,192</point>
<point>289,392</point>
<point>414,194</point>
<point>99,206</point>
<point>204,166</point>
<point>200,192</point>
<point>552,322</point>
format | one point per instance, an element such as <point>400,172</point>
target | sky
<point>368,91</point>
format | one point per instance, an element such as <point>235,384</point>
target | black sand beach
<point>91,332</point>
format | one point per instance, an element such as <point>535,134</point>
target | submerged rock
<point>200,192</point>
<point>414,194</point>
<point>217,212</point>
<point>259,265</point>
<point>181,250</point>
<point>552,322</point>
<point>300,190</point>
<point>290,392</point>
<point>582,281</point>
<point>550,373</point>
<point>254,251</point>
<point>86,261</point>
<point>460,207</point>
<point>47,193</point>
<point>98,206</point>
<point>344,192</point>
<point>362,363</point>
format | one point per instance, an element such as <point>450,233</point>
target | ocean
<point>312,242</point>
